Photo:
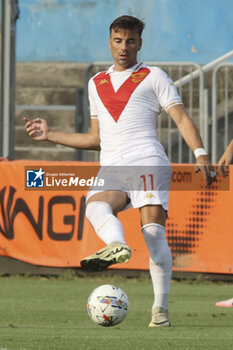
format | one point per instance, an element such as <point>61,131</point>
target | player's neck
<point>133,67</point>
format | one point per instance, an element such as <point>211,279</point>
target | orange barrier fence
<point>48,227</point>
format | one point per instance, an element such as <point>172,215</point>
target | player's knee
<point>154,231</point>
<point>97,210</point>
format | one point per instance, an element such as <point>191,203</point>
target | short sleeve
<point>91,92</point>
<point>165,90</point>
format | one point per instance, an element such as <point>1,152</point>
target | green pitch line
<point>50,313</point>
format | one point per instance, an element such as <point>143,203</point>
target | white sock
<point>160,262</point>
<point>105,224</point>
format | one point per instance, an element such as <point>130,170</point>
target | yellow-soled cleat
<point>114,253</point>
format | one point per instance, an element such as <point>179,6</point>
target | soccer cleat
<point>225,303</point>
<point>160,317</point>
<point>114,253</point>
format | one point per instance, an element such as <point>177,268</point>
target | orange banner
<point>49,228</point>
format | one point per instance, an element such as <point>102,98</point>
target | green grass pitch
<point>50,314</point>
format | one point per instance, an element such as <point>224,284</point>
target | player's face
<point>124,45</point>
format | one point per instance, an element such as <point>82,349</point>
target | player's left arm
<point>193,139</point>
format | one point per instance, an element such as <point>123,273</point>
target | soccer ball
<point>108,305</point>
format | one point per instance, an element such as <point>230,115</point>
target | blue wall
<point>77,30</point>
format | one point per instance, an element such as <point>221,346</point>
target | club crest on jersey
<point>138,77</point>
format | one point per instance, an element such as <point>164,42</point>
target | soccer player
<point>125,102</point>
<point>223,164</point>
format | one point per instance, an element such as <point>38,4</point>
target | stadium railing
<point>222,108</point>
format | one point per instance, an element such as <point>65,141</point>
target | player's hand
<point>203,164</point>
<point>223,167</point>
<point>225,160</point>
<point>37,129</point>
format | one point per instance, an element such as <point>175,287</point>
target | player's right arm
<point>38,130</point>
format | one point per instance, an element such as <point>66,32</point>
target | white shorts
<point>146,182</point>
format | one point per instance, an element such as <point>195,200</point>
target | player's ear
<point>109,43</point>
<point>140,44</point>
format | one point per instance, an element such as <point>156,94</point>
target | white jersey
<point>127,105</point>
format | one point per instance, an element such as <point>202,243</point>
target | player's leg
<point>153,218</point>
<point>150,192</point>
<point>101,211</point>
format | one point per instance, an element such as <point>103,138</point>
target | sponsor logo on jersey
<point>149,195</point>
<point>103,81</point>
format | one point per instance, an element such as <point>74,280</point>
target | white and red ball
<point>108,305</point>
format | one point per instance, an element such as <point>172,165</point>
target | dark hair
<point>127,22</point>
